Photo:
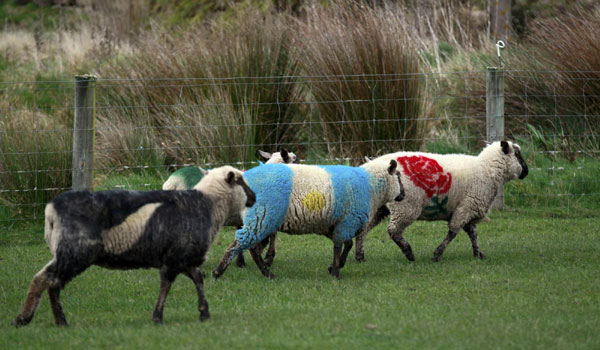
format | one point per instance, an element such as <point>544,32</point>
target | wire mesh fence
<point>146,128</point>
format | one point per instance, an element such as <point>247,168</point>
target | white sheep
<point>335,201</point>
<point>168,230</point>
<point>455,187</point>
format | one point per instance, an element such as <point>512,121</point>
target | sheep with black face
<point>335,201</point>
<point>168,230</point>
<point>456,188</point>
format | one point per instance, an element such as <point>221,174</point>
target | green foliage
<point>515,298</point>
<point>29,15</point>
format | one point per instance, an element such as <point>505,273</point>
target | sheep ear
<point>203,171</point>
<point>230,178</point>
<point>284,155</point>
<point>367,159</point>
<point>264,154</point>
<point>392,168</point>
<point>505,147</point>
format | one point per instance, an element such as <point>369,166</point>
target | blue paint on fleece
<point>352,200</point>
<point>272,184</point>
<point>377,184</point>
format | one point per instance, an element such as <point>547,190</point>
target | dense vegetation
<point>209,82</point>
<point>191,82</point>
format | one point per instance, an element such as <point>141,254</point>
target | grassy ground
<point>539,287</point>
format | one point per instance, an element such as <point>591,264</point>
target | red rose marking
<point>427,174</point>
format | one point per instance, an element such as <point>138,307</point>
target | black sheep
<point>168,230</point>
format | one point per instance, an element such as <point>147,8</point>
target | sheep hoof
<point>411,257</point>
<point>62,323</point>
<point>436,258</point>
<point>204,317</point>
<point>240,263</point>
<point>360,258</point>
<point>216,274</point>
<point>269,261</point>
<point>479,255</point>
<point>17,322</point>
<point>333,272</point>
<point>20,321</point>
<point>157,320</point>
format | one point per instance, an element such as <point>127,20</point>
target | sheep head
<point>509,154</point>
<point>229,183</point>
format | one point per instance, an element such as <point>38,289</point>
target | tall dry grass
<point>35,157</point>
<point>367,91</point>
<point>235,93</point>
<point>555,90</point>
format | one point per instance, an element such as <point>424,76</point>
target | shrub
<point>235,94</point>
<point>367,88</point>
<point>556,86</point>
<point>35,158</point>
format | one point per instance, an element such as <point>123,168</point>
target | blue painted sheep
<point>456,188</point>
<point>168,230</point>
<point>335,201</point>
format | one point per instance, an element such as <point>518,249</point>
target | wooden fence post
<point>83,132</point>
<point>494,116</point>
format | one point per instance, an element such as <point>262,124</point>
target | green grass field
<point>539,287</point>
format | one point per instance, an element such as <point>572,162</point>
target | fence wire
<point>147,128</point>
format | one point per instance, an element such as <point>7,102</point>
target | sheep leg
<point>230,253</point>
<point>166,281</point>
<point>461,217</point>
<point>272,249</point>
<point>197,276</point>
<point>472,232</point>
<point>437,254</point>
<point>56,305</point>
<point>260,246</point>
<point>359,250</point>
<point>347,247</point>
<point>257,257</point>
<point>334,269</point>
<point>48,277</point>
<point>239,261</point>
<point>36,288</point>
<point>398,238</point>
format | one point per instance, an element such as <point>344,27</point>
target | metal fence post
<point>83,132</point>
<point>494,116</point>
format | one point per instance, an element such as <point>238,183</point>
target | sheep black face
<point>243,196</point>
<point>524,168</point>
<point>250,195</point>
<point>283,156</point>
<point>517,166</point>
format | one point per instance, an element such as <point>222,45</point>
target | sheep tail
<point>51,232</point>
